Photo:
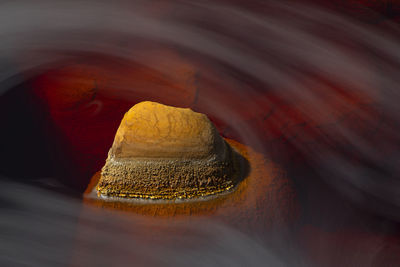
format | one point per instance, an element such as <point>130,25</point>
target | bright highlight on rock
<point>163,152</point>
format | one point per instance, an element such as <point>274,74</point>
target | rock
<point>264,198</point>
<point>163,152</point>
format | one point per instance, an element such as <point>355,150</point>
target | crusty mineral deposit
<point>163,152</point>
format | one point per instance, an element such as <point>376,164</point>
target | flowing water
<point>314,91</point>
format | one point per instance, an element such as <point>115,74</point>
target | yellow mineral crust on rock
<point>163,152</point>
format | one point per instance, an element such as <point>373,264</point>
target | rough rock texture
<point>265,198</point>
<point>163,152</point>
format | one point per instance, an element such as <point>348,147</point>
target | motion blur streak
<point>39,228</point>
<point>302,79</point>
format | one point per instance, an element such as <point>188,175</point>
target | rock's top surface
<point>153,130</point>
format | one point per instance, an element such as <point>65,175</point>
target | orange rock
<point>153,130</point>
<point>265,185</point>
<point>163,152</point>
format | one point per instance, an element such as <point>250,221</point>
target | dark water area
<point>310,85</point>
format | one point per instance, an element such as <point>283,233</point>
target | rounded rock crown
<point>163,152</point>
